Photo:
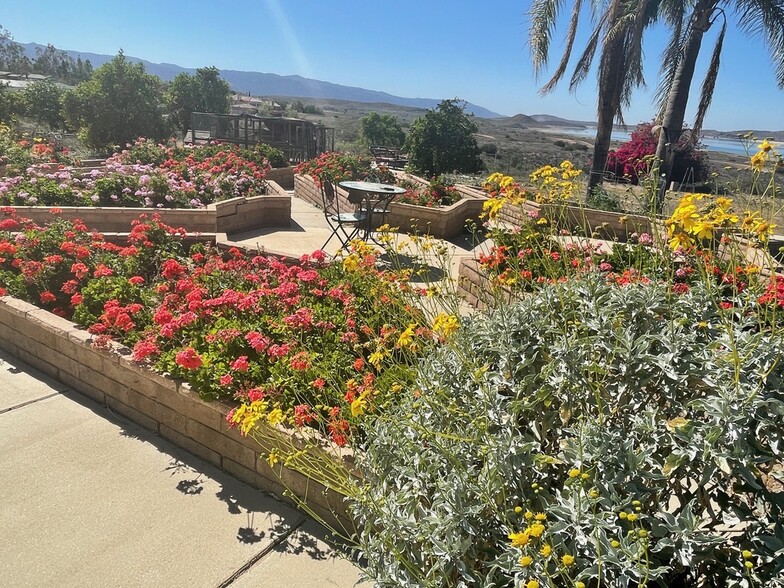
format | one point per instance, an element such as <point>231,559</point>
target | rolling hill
<point>269,84</point>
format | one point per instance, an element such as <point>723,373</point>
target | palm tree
<point>619,26</point>
<point>758,17</point>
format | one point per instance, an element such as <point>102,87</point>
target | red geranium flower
<point>189,359</point>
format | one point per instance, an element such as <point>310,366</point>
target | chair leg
<point>347,237</point>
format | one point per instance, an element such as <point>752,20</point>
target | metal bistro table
<point>373,199</point>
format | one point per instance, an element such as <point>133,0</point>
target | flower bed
<point>228,216</point>
<point>64,351</point>
<point>226,185</point>
<point>313,346</point>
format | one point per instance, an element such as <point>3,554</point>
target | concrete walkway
<point>91,499</point>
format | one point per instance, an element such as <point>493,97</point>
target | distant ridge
<point>558,121</point>
<point>268,84</point>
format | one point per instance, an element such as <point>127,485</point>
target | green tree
<point>204,92</point>
<point>43,101</point>
<point>12,55</point>
<point>764,18</point>
<point>619,27</point>
<point>11,104</point>
<point>118,104</point>
<point>381,130</point>
<point>443,141</point>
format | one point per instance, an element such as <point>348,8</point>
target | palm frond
<point>543,15</point>
<point>634,54</point>
<point>709,84</point>
<point>583,65</point>
<point>570,36</point>
<point>765,19</point>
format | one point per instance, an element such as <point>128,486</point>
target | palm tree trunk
<point>678,95</point>
<point>610,81</point>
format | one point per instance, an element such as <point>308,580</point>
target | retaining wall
<point>283,176</point>
<point>63,351</point>
<point>227,216</point>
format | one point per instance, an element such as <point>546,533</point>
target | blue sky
<point>473,50</point>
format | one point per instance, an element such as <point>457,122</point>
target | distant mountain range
<point>268,84</point>
<point>274,85</point>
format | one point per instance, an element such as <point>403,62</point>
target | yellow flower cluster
<point>555,184</point>
<point>446,325</point>
<point>502,189</point>
<point>698,216</point>
<point>765,154</point>
<point>247,415</point>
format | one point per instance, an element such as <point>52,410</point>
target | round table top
<point>372,187</point>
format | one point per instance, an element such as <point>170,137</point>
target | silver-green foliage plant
<point>589,435</point>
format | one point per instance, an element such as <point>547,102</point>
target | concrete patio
<point>91,499</point>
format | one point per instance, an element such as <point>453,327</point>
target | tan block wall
<point>228,216</point>
<point>284,176</point>
<point>475,287</point>
<point>61,350</point>
<point>600,224</point>
<point>306,189</point>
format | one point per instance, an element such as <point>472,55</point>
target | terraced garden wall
<point>227,216</point>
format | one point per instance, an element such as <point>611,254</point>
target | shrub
<point>439,192</point>
<point>603,200</point>
<point>334,166</point>
<point>589,435</point>
<point>442,141</point>
<point>633,159</point>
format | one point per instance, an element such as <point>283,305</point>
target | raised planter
<point>283,176</point>
<point>476,288</point>
<point>580,220</point>
<point>227,216</point>
<point>63,351</point>
<point>443,222</point>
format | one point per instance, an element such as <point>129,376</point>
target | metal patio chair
<point>346,223</point>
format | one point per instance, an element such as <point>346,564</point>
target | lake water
<point>734,146</point>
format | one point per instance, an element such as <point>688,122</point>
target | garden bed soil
<point>442,222</point>
<point>62,350</point>
<point>227,216</point>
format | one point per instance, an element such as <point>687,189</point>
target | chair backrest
<point>329,200</point>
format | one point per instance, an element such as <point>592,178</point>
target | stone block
<point>13,312</point>
<point>143,380</point>
<point>210,414</point>
<point>190,445</point>
<point>35,361</point>
<point>156,411</point>
<point>131,413</point>
<point>250,477</point>
<point>78,385</point>
<point>48,328</point>
<point>220,443</point>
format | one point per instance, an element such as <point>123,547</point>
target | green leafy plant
<point>442,141</point>
<point>439,192</point>
<point>590,435</point>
